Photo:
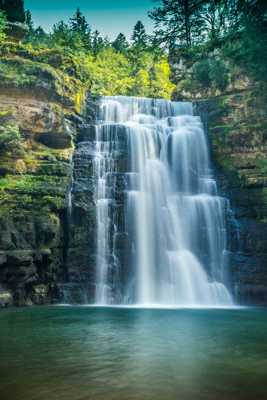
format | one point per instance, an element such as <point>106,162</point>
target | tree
<point>63,36</point>
<point>215,15</point>
<point>14,10</point>
<point>29,21</point>
<point>139,36</point>
<point>80,26</point>
<point>120,43</point>
<point>249,48</point>
<point>178,22</point>
<point>40,34</point>
<point>98,43</point>
<point>211,73</point>
<point>2,26</point>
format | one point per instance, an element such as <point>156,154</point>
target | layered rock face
<point>35,178</point>
<point>237,126</point>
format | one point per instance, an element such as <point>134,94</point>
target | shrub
<point>10,138</point>
<point>201,71</point>
<point>218,73</point>
<point>2,26</point>
<point>211,73</point>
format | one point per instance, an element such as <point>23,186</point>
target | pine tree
<point>40,35</point>
<point>29,21</point>
<point>139,36</point>
<point>80,26</point>
<point>120,43</point>
<point>62,34</point>
<point>99,43</point>
<point>14,10</point>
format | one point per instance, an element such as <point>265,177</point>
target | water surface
<point>80,353</point>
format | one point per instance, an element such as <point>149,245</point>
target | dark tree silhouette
<point>80,26</point>
<point>29,21</point>
<point>178,22</point>
<point>139,36</point>
<point>14,10</point>
<point>120,43</point>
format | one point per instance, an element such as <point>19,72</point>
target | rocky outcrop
<point>237,126</point>
<point>35,180</point>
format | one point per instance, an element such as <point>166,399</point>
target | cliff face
<point>237,124</point>
<point>35,175</point>
<point>238,131</point>
<point>233,106</point>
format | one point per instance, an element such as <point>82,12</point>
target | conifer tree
<point>80,26</point>
<point>29,21</point>
<point>14,10</point>
<point>120,43</point>
<point>98,42</point>
<point>139,36</point>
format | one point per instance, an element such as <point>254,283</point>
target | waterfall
<point>161,235</point>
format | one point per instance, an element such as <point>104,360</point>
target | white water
<point>175,219</point>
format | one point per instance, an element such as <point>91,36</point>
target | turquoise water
<point>80,353</point>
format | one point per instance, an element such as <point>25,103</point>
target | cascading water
<point>174,219</point>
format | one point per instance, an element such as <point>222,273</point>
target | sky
<point>109,17</point>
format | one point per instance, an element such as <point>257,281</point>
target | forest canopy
<point>143,65</point>
<point>105,67</point>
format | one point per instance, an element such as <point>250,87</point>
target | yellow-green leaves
<point>112,73</point>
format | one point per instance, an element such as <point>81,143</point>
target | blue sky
<point>108,16</point>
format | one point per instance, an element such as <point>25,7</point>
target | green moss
<point>19,73</point>
<point>261,163</point>
<point>31,184</point>
<point>33,194</point>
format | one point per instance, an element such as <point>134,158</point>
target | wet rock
<point>6,298</point>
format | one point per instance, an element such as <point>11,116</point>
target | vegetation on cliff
<point>218,52</point>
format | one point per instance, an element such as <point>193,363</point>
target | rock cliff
<point>238,132</point>
<point>36,137</point>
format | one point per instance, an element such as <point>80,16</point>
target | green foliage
<point>21,73</point>
<point>211,73</point>
<point>29,21</point>
<point>108,73</point>
<point>218,73</point>
<point>201,72</point>
<point>250,51</point>
<point>10,138</point>
<point>177,22</point>
<point>98,43</point>
<point>261,163</point>
<point>2,27</point>
<point>112,73</point>
<point>139,36</point>
<point>31,193</point>
<point>120,43</point>
<point>14,10</point>
<point>81,29</point>
<point>65,37</point>
<point>72,59</point>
